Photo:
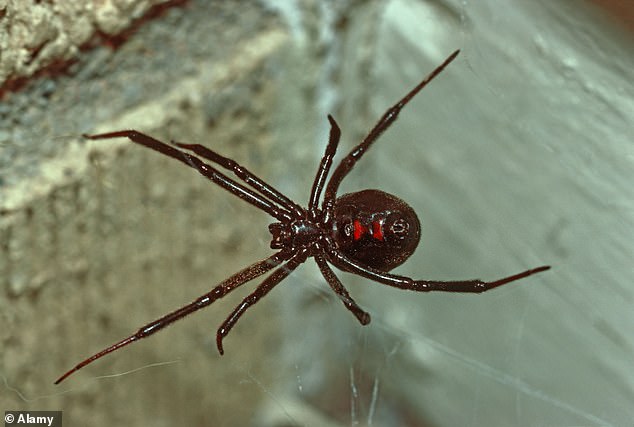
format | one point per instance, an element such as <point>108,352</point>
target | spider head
<point>281,235</point>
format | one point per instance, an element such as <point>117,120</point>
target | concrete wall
<point>99,238</point>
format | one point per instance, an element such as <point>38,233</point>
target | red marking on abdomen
<point>377,230</point>
<point>359,229</point>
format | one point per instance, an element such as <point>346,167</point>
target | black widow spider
<point>367,233</point>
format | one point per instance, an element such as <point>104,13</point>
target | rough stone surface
<point>34,34</point>
<point>99,238</point>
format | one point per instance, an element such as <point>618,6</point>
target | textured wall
<point>36,35</point>
<point>98,238</point>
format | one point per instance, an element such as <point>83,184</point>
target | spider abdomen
<point>375,228</point>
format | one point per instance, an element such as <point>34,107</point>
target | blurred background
<point>518,155</point>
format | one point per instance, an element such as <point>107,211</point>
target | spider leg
<point>324,166</point>
<point>206,170</point>
<point>340,290</point>
<point>269,283</point>
<point>245,175</point>
<point>402,282</point>
<point>389,117</point>
<point>240,278</point>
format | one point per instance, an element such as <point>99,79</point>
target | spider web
<point>465,155</point>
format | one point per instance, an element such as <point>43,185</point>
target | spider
<point>367,233</point>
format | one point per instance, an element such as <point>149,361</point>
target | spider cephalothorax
<point>367,233</point>
<point>295,234</point>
